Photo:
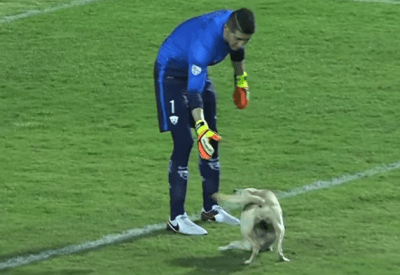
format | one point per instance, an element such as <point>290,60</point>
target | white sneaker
<point>183,225</point>
<point>218,214</point>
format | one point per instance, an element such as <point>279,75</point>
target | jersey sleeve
<point>197,75</point>
<point>198,61</point>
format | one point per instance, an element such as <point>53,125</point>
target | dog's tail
<point>239,199</point>
<point>217,197</point>
<point>226,201</point>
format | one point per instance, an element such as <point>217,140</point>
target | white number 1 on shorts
<point>172,106</point>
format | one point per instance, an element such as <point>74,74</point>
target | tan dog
<point>261,221</point>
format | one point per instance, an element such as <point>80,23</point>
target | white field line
<point>29,13</point>
<point>339,180</point>
<point>137,232</point>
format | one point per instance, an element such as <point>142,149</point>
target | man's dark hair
<point>242,20</point>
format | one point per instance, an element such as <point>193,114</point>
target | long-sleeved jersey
<point>193,46</point>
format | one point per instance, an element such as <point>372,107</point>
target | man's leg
<point>174,116</point>
<point>178,167</point>
<point>210,169</point>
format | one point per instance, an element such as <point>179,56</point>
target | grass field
<point>15,7</point>
<point>81,156</point>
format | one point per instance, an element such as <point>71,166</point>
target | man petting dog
<point>186,99</point>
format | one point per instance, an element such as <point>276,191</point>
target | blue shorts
<point>172,103</point>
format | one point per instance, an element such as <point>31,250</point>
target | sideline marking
<point>29,13</point>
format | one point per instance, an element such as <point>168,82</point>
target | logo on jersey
<point>196,70</point>
<point>174,119</point>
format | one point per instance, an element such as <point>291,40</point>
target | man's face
<point>235,39</point>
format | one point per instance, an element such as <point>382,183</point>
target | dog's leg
<point>243,245</point>
<point>256,249</point>
<point>280,233</point>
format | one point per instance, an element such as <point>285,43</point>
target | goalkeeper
<point>186,99</point>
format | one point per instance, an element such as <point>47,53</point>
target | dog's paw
<point>223,248</point>
<point>284,259</point>
<point>247,262</point>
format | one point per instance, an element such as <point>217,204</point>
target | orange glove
<point>241,97</point>
<point>204,135</point>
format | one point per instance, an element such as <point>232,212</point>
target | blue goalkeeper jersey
<point>193,46</point>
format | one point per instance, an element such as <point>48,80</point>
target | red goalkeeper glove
<point>241,96</point>
<point>204,136</point>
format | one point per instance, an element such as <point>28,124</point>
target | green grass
<point>81,156</point>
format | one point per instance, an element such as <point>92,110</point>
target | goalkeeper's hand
<point>204,136</point>
<point>241,96</point>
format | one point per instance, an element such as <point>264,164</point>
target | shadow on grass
<point>226,263</point>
